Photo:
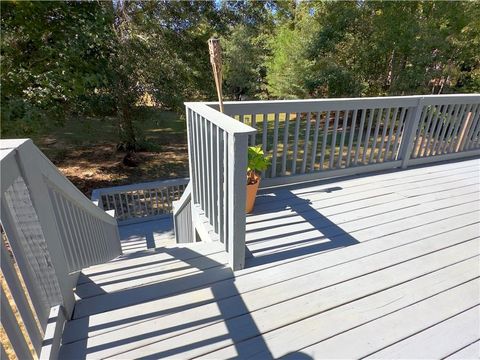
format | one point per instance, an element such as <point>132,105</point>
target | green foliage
<point>373,48</point>
<point>257,161</point>
<point>54,61</point>
<point>99,58</point>
<point>242,57</point>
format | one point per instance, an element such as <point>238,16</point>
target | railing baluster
<point>12,329</point>
<point>285,144</point>
<point>473,141</point>
<point>265,137</point>
<point>218,181</point>
<point>315,142</point>
<point>391,126</point>
<point>473,124</point>
<point>20,298</point>
<point>254,125</point>
<point>334,140</point>
<point>442,128</point>
<point>384,134</point>
<point>449,128</point>
<point>359,136</point>
<point>375,135</point>
<point>295,144</point>
<point>342,138</point>
<point>418,134</point>
<point>274,149</point>
<point>214,177</point>
<point>458,123</point>
<point>433,130</point>
<point>64,231</point>
<point>226,171</point>
<point>306,143</point>
<point>398,134</point>
<point>367,137</point>
<point>73,217</point>
<point>351,135</point>
<point>324,140</point>
<point>426,133</point>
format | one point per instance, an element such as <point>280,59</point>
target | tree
<point>55,59</point>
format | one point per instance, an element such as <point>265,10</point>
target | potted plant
<point>257,162</point>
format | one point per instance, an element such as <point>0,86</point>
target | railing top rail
<point>293,101</point>
<point>221,120</point>
<point>52,174</point>
<point>263,106</point>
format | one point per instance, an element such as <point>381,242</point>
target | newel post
<point>409,132</point>
<point>236,194</point>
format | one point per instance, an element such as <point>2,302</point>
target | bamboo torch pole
<point>216,61</point>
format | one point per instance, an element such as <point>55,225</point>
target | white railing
<point>182,217</point>
<point>311,139</point>
<point>53,231</point>
<point>141,201</point>
<point>217,146</point>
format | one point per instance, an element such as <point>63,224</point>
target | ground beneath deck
<point>381,266</point>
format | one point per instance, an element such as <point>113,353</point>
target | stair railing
<point>53,232</point>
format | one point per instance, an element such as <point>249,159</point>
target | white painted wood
<point>334,139</point>
<point>237,149</point>
<point>453,225</point>
<point>315,142</point>
<point>398,134</point>
<point>471,351</point>
<point>277,317</point>
<point>375,135</point>
<point>53,334</point>
<point>306,143</point>
<point>367,137</point>
<point>293,170</point>
<point>384,134</point>
<point>20,298</point>
<point>244,107</point>
<point>325,137</point>
<point>438,341</point>
<point>262,298</point>
<point>12,329</point>
<point>285,144</point>
<point>363,339</point>
<point>275,146</point>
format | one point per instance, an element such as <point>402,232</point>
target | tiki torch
<point>216,61</point>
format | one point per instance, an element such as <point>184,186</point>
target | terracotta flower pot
<point>251,195</point>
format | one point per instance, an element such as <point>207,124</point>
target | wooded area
<point>109,60</point>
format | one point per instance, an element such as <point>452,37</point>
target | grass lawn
<point>84,149</point>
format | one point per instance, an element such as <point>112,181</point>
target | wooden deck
<point>380,266</point>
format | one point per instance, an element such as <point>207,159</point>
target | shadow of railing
<point>214,276</point>
<point>326,235</point>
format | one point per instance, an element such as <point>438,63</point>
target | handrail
<point>53,232</point>
<point>217,146</point>
<point>314,139</point>
<point>319,138</point>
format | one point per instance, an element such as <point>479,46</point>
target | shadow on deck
<point>329,265</point>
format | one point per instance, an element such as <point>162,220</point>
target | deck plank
<point>362,254</point>
<point>471,351</point>
<point>297,308</point>
<point>439,340</point>
<point>274,274</point>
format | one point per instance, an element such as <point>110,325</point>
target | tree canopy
<point>104,58</point>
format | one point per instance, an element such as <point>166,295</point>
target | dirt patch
<point>85,151</point>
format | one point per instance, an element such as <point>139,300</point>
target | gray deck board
<point>331,263</point>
